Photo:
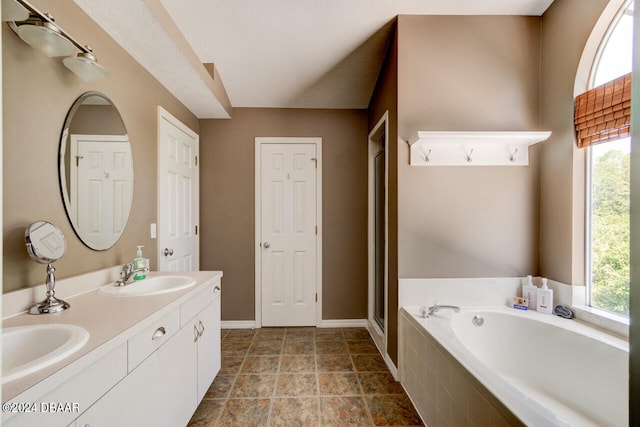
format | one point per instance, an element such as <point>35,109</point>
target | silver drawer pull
<point>159,333</point>
<point>196,333</point>
<point>216,288</point>
<point>201,331</point>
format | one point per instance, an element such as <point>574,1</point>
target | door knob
<point>266,245</point>
<point>167,252</point>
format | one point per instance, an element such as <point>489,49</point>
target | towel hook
<point>512,155</point>
<point>426,158</point>
<point>469,159</point>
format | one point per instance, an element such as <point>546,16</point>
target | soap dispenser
<point>530,292</point>
<point>139,263</point>
<point>545,298</point>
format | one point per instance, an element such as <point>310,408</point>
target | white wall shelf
<point>473,148</point>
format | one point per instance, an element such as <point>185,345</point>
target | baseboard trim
<point>392,367</point>
<point>238,324</point>
<point>331,323</point>
<point>343,323</point>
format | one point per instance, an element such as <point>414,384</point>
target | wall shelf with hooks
<point>473,148</point>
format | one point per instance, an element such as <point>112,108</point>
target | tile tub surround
<point>444,393</point>
<point>303,377</point>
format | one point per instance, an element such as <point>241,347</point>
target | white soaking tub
<point>547,371</point>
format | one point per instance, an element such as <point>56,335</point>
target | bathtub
<point>538,369</point>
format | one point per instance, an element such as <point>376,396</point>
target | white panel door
<point>178,181</point>
<point>288,226</point>
<point>101,187</point>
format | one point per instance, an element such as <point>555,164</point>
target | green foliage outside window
<point>610,225</point>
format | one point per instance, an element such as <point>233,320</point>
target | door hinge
<point>196,160</point>
<point>316,230</point>
<point>196,230</point>
<point>316,297</point>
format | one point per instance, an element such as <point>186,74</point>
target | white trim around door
<point>259,141</point>
<point>381,129</point>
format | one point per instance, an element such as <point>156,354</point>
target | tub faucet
<point>436,307</point>
<point>127,273</point>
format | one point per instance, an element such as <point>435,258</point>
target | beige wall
<point>562,164</point>
<point>227,185</point>
<point>467,73</point>
<point>38,91</point>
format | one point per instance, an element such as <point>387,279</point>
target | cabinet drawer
<point>152,337</point>
<point>94,381</point>
<point>195,305</point>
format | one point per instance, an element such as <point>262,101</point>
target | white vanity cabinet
<point>208,345</point>
<point>202,314</point>
<point>161,391</point>
<point>165,385</point>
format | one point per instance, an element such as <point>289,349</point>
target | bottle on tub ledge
<point>530,292</point>
<point>545,298</point>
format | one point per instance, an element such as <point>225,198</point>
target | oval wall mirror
<point>96,170</point>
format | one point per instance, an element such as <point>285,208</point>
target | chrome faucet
<point>436,308</point>
<point>127,274</point>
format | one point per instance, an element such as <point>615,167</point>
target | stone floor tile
<point>299,347</point>
<point>260,365</point>
<point>294,412</point>
<point>379,383</point>
<point>245,412</point>
<point>207,413</point>
<point>331,347</point>
<point>265,347</point>
<point>296,385</point>
<point>393,410</point>
<point>220,387</point>
<point>329,334</point>
<point>338,383</point>
<point>253,386</point>
<point>362,347</point>
<point>230,365</point>
<point>344,410</point>
<point>334,363</point>
<point>303,376</point>
<point>300,334</point>
<point>298,363</point>
<point>369,363</point>
<point>356,334</point>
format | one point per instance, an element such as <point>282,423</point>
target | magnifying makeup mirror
<point>46,244</point>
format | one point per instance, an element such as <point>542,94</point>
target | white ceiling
<point>277,53</point>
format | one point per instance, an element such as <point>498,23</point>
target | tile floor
<point>303,377</point>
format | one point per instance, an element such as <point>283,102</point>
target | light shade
<point>13,11</point>
<point>46,38</point>
<point>84,65</point>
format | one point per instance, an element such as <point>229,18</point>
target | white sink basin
<point>27,349</point>
<point>150,286</point>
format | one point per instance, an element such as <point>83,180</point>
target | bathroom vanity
<point>149,359</point>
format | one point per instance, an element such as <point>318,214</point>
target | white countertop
<point>110,321</point>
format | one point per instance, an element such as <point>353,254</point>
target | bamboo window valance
<point>604,113</point>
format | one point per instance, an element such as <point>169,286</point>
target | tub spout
<point>437,307</point>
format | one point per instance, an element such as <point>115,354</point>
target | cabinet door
<point>208,347</point>
<point>159,392</point>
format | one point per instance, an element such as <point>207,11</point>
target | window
<point>608,196</point>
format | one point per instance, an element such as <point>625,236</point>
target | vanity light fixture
<point>13,11</point>
<point>85,65</point>
<point>40,31</point>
